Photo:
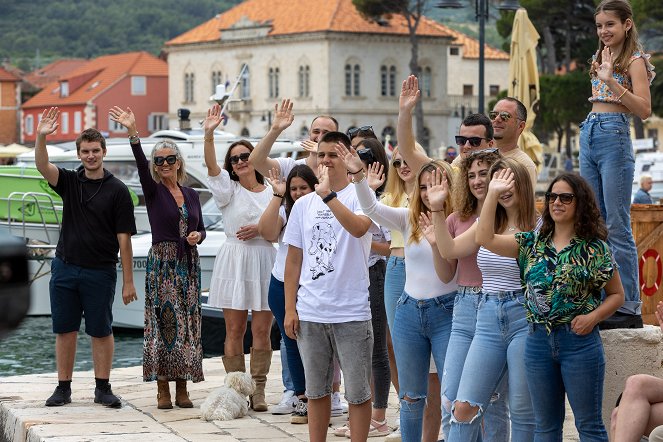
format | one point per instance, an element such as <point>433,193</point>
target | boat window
<point>211,215</point>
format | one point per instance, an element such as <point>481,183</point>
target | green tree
<point>563,102</point>
<point>412,10</point>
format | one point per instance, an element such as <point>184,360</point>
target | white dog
<point>229,402</point>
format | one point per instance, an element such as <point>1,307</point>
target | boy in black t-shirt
<point>97,221</point>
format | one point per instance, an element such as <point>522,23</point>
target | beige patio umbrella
<point>11,150</point>
<point>524,80</point>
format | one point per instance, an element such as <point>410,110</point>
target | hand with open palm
<point>410,94</point>
<point>212,121</point>
<point>124,117</point>
<point>49,121</point>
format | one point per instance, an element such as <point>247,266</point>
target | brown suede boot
<point>163,395</point>
<point>260,362</point>
<point>234,363</point>
<point>181,395</point>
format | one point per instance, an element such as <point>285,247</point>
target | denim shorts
<point>76,291</point>
<point>351,343</point>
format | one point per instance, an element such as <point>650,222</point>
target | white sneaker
<point>287,405</point>
<point>394,436</point>
<point>338,406</point>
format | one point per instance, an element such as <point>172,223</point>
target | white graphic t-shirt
<point>334,275</point>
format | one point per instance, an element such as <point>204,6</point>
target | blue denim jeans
<point>285,371</point>
<point>497,350</point>
<point>496,416</point>
<point>394,284</point>
<point>421,328</point>
<point>276,299</point>
<point>607,163</point>
<point>564,362</point>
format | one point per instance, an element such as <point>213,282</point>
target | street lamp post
<point>481,10</point>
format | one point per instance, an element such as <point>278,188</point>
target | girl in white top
<point>501,326</point>
<point>422,322</point>
<point>242,268</point>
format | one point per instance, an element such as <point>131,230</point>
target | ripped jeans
<point>421,328</point>
<point>497,350</point>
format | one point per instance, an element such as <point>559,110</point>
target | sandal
<point>343,430</point>
<point>376,429</point>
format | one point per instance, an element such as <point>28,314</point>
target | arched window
<point>352,80</point>
<point>216,79</point>
<point>388,137</point>
<point>189,80</point>
<point>303,132</point>
<point>245,132</point>
<point>273,82</point>
<point>392,81</point>
<point>426,81</point>
<point>425,142</point>
<point>245,83</point>
<point>383,81</point>
<point>304,81</point>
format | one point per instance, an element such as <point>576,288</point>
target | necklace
<point>511,228</point>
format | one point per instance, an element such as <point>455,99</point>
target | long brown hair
<point>621,9</point>
<point>418,207</point>
<point>464,202</point>
<point>588,223</point>
<point>523,188</point>
<point>394,191</point>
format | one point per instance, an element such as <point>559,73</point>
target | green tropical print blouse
<point>561,286</point>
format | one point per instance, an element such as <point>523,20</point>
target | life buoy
<point>653,254</point>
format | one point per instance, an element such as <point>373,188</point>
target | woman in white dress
<point>243,265</point>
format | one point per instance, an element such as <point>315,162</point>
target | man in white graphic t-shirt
<point>326,290</point>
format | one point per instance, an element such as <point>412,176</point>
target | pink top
<point>468,273</point>
<point>602,93</point>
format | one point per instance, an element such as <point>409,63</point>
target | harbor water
<point>30,349</point>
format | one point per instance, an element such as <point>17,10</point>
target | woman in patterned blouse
<point>564,267</point>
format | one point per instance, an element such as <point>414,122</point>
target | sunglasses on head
<point>489,150</point>
<point>565,198</point>
<point>474,141</point>
<point>398,163</point>
<point>170,159</point>
<point>504,115</point>
<point>242,156</point>
<point>355,130</point>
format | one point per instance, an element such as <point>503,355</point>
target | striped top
<point>499,273</point>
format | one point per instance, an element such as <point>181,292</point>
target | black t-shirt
<point>94,212</point>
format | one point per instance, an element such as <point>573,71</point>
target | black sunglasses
<point>355,130</point>
<point>242,156</point>
<point>565,198</point>
<point>398,163</point>
<point>489,150</point>
<point>504,115</point>
<point>474,141</point>
<point>366,155</point>
<point>170,159</point>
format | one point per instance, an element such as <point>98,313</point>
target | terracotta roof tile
<point>5,75</point>
<point>53,71</point>
<point>471,46</point>
<point>301,16</point>
<point>99,74</point>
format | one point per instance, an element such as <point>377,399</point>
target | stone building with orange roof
<point>10,96</point>
<point>325,56</point>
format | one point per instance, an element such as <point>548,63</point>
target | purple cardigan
<point>162,209</point>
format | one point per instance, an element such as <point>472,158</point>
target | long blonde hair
<point>621,9</point>
<point>417,207</point>
<point>395,192</point>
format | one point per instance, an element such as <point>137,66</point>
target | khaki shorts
<point>352,345</point>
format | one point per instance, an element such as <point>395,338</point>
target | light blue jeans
<point>564,362</point>
<point>497,350</point>
<point>285,371</point>
<point>421,328</point>
<point>496,416</point>
<point>607,163</point>
<point>394,284</point>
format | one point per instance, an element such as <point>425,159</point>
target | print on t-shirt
<point>323,247</point>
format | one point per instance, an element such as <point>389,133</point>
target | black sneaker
<point>59,397</point>
<point>300,415</point>
<point>621,320</point>
<point>105,396</point>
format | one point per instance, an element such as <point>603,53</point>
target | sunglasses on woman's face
<point>474,141</point>
<point>242,156</point>
<point>170,159</point>
<point>398,163</point>
<point>565,198</point>
<point>355,130</point>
